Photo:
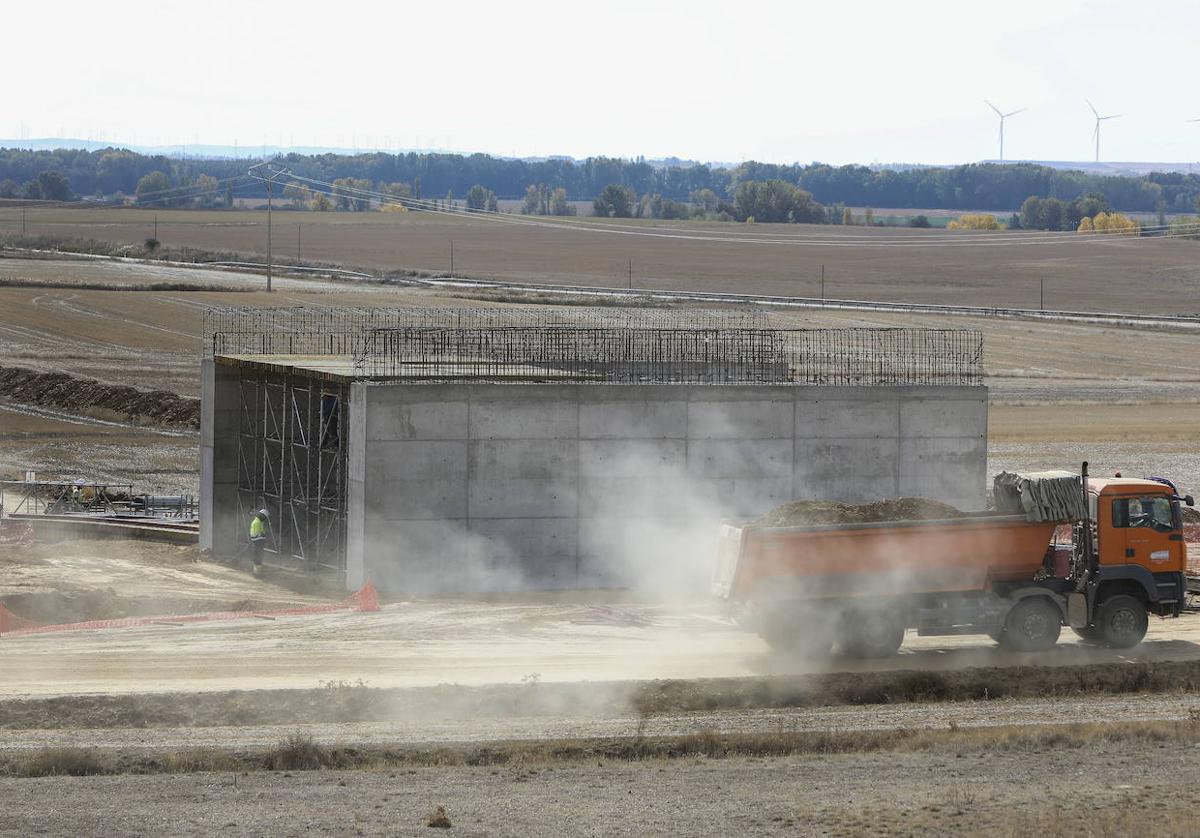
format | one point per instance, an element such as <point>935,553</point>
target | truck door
<point>1148,530</point>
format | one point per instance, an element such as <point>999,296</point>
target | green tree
<point>847,217</point>
<point>704,199</point>
<point>297,193</point>
<point>615,201</point>
<point>54,186</point>
<point>776,201</point>
<point>1031,213</point>
<point>348,194</point>
<point>152,187</point>
<point>205,190</point>
<point>559,205</point>
<point>480,199</point>
<point>919,221</point>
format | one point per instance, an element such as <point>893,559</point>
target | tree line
<point>992,187</point>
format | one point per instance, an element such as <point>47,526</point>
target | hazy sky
<point>791,81</point>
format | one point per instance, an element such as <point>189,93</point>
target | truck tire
<point>1032,625</point>
<point>1121,621</point>
<point>871,635</point>
<point>804,634</point>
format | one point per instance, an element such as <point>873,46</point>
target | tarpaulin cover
<point>1040,496</point>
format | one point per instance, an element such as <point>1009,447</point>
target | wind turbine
<point>1003,116</point>
<point>1099,119</point>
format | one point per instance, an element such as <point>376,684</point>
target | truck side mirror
<point>1189,500</point>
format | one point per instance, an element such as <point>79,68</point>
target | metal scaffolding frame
<point>292,462</point>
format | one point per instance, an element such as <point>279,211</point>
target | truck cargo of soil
<point>858,586</point>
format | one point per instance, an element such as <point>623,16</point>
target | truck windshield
<point>1155,512</point>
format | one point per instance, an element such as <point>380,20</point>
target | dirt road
<point>432,642</point>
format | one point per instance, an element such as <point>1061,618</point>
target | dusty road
<point>1101,789</point>
<point>431,642</point>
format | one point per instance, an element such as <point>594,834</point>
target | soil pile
<point>95,398</point>
<point>806,513</point>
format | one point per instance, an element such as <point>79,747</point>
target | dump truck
<point>1119,556</point>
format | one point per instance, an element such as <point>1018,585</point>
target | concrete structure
<point>467,486</point>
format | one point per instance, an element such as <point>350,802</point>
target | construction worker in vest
<point>258,536</point>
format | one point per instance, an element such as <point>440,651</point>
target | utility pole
<point>1042,298</point>
<point>822,283</point>
<point>451,258</point>
<point>298,226</point>
<point>22,221</point>
<point>630,274</point>
<point>156,226</point>
<point>267,174</point>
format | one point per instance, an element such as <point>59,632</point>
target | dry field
<point>1126,399</point>
<point>1134,275</point>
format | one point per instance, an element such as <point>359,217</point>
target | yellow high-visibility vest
<point>257,527</point>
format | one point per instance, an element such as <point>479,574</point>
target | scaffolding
<point>292,462</point>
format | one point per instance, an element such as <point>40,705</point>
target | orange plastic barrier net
<point>364,599</point>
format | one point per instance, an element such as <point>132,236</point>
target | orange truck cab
<point>1138,552</point>
<point>859,586</point>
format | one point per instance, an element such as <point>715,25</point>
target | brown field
<point>1121,274</point>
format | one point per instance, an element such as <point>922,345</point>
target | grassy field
<point>1007,269</point>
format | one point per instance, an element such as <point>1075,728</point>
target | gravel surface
<point>1096,789</point>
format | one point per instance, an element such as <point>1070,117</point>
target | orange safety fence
<point>364,599</point>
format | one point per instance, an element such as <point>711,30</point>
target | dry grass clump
<point>438,819</point>
<point>66,762</point>
<point>298,752</point>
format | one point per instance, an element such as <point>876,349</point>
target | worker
<point>76,496</point>
<point>258,536</point>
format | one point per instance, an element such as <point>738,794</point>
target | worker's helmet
<point>262,513</point>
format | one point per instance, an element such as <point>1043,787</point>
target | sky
<point>838,82</point>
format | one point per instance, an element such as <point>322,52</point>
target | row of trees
<point>1054,214</point>
<point>972,187</point>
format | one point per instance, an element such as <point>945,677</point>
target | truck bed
<point>894,557</point>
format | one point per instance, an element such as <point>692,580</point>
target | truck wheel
<point>1033,625</point>
<point>1121,621</point>
<point>799,633</point>
<point>872,635</point>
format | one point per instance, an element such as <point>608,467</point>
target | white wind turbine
<point>1003,116</point>
<point>1099,119</point>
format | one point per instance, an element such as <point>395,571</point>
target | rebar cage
<point>676,346</point>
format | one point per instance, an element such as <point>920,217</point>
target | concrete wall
<point>219,406</point>
<point>463,487</point>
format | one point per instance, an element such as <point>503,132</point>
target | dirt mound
<point>1191,515</point>
<point>815,512</point>
<point>86,395</point>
